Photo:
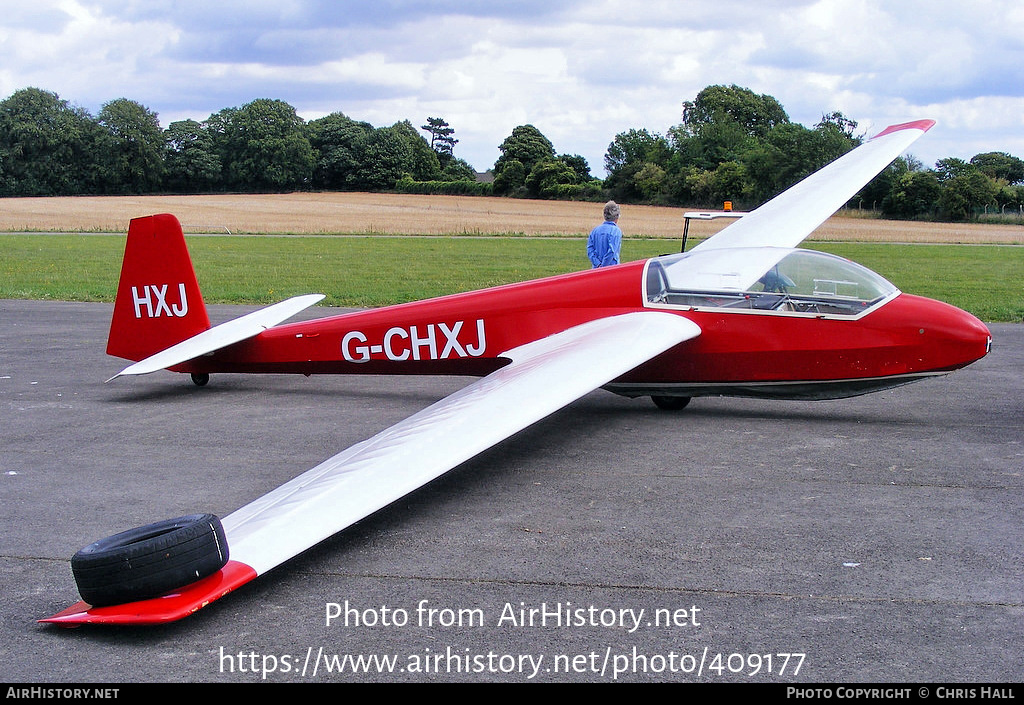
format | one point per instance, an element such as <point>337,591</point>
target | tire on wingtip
<point>151,560</point>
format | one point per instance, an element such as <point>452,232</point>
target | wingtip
<point>922,125</point>
<point>169,607</point>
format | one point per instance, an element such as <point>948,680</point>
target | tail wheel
<point>670,403</point>
<point>150,560</point>
<point>200,380</point>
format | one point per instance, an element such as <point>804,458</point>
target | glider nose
<point>969,336</point>
<point>954,338</point>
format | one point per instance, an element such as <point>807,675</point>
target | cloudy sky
<point>581,71</point>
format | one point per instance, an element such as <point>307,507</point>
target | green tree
<point>840,124</point>
<point>442,140</point>
<point>386,158</point>
<point>511,178</point>
<point>628,154</point>
<point>132,153</point>
<point>190,162</point>
<point>713,144</point>
<point>711,188</point>
<point>47,146</point>
<point>1012,196</point>
<point>579,165</point>
<point>547,176</point>
<point>964,194</point>
<point>1000,166</point>
<point>736,144</point>
<point>263,146</point>
<point>952,167</point>
<point>629,150</point>
<point>458,170</point>
<point>650,181</point>
<point>527,146</point>
<point>755,114</point>
<point>423,163</point>
<point>340,143</point>
<point>912,194</point>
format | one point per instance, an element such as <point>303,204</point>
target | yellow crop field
<point>401,214</point>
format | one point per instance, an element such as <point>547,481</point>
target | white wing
<point>787,219</point>
<point>791,216</point>
<point>221,336</point>
<point>542,377</point>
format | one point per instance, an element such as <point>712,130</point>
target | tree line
<point>732,145</point>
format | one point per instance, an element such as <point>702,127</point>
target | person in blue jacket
<point>605,240</point>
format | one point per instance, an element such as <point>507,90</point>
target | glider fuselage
<point>740,351</point>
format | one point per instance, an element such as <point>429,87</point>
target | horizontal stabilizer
<point>222,335</point>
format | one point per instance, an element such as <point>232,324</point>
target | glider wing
<point>787,219</point>
<point>541,377</point>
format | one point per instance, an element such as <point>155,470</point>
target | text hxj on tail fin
<point>158,299</point>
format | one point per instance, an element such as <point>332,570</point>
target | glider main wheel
<point>150,560</point>
<point>670,403</point>
<point>200,380</point>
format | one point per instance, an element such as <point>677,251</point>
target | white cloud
<point>580,71</point>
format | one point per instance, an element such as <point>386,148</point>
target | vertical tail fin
<point>158,299</point>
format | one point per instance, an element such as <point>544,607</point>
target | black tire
<point>200,379</point>
<point>671,403</point>
<point>150,560</point>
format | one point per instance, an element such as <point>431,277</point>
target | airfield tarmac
<point>874,539</point>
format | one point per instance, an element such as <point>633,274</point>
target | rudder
<point>158,300</point>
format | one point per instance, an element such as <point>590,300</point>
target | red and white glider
<point>742,314</point>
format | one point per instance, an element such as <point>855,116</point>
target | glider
<point>743,313</point>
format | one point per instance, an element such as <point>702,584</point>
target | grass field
<point>379,269</point>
